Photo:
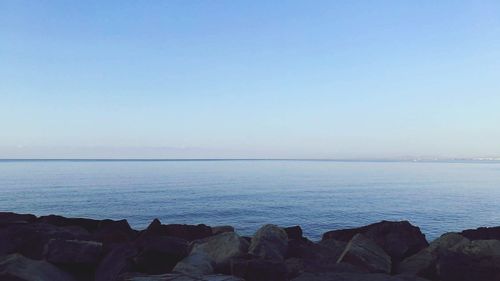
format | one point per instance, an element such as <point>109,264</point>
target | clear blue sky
<point>183,79</point>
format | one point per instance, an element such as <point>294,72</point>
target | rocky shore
<point>56,248</point>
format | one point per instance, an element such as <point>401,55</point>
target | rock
<point>398,239</point>
<point>294,232</point>
<point>222,229</point>
<point>110,231</point>
<point>196,264</point>
<point>183,231</point>
<point>482,233</point>
<point>221,248</point>
<point>307,249</point>
<point>329,276</point>
<point>78,257</point>
<point>19,268</point>
<point>296,266</point>
<point>478,260</point>
<point>178,277</point>
<point>154,226</point>
<point>159,254</point>
<point>304,255</point>
<point>90,225</point>
<point>117,261</point>
<point>188,232</point>
<point>424,262</point>
<point>365,253</point>
<point>269,242</point>
<point>30,239</point>
<point>7,218</point>
<point>259,269</point>
<point>73,252</point>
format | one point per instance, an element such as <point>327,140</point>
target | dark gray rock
<point>269,242</point>
<point>73,251</point>
<point>365,253</point>
<point>159,254</point>
<point>90,225</point>
<point>221,248</point>
<point>478,260</point>
<point>259,270</point>
<point>398,239</point>
<point>110,231</point>
<point>30,239</point>
<point>482,233</point>
<point>19,268</point>
<point>183,231</point>
<point>117,261</point>
<point>8,218</point>
<point>196,264</point>
<point>222,229</point>
<point>294,232</point>
<point>424,262</point>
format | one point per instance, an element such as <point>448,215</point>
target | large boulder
<point>294,232</point>
<point>116,262</point>
<point>365,253</point>
<point>183,231</point>
<point>259,269</point>
<point>90,225</point>
<point>306,249</point>
<point>424,262</point>
<point>8,218</point>
<point>110,231</point>
<point>221,248</point>
<point>306,256</point>
<point>159,254</point>
<point>222,229</point>
<point>482,233</point>
<point>30,239</point>
<point>61,251</point>
<point>16,267</point>
<point>269,242</point>
<point>399,239</point>
<point>478,260</point>
<point>196,264</point>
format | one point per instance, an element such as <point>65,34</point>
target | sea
<point>318,195</point>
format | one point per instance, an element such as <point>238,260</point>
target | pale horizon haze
<point>249,79</point>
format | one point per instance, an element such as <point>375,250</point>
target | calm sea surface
<point>318,195</point>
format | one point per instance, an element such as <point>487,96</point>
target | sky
<point>249,79</point>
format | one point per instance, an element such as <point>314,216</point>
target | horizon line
<point>421,159</point>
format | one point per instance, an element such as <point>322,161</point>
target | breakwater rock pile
<point>50,248</point>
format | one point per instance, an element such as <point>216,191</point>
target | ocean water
<point>318,195</point>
